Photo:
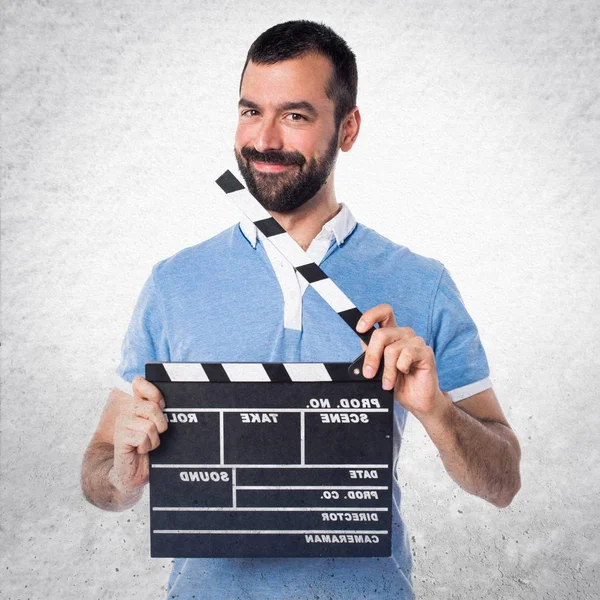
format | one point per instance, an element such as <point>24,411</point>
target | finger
<point>152,412</point>
<point>382,337</point>
<point>390,370</point>
<point>133,440</point>
<point>382,314</point>
<point>147,427</point>
<point>144,390</point>
<point>139,425</point>
<point>411,355</point>
<point>405,360</point>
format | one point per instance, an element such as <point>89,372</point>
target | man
<point>232,299</point>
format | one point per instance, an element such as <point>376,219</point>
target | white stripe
<point>221,439</point>
<point>312,487</point>
<point>302,439</point>
<point>266,509</point>
<point>277,409</point>
<point>246,372</point>
<point>290,249</point>
<point>332,294</point>
<point>233,488</point>
<point>237,466</point>
<point>307,371</point>
<point>246,202</point>
<point>185,371</point>
<point>470,389</point>
<point>268,532</point>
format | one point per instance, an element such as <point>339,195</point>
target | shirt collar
<point>339,228</point>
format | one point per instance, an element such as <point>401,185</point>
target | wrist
<point>123,491</point>
<point>440,412</point>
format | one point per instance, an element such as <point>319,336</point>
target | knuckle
<point>389,370</point>
<point>378,335</point>
<point>125,437</point>
<point>371,357</point>
<point>154,409</point>
<point>366,315</point>
<point>156,397</point>
<point>404,358</point>
<point>161,422</point>
<point>152,441</point>
<point>419,341</point>
<point>147,426</point>
<point>390,352</point>
<point>137,439</point>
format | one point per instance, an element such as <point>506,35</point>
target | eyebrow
<point>247,103</point>
<point>300,105</point>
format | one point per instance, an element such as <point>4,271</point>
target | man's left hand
<point>409,364</point>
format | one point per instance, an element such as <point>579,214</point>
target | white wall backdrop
<point>479,147</point>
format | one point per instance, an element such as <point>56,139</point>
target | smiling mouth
<point>268,167</point>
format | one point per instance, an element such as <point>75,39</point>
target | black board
<point>276,468</point>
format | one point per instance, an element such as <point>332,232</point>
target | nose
<point>268,136</point>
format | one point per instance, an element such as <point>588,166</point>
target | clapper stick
<point>297,257</point>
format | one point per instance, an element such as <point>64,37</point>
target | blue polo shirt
<point>221,301</point>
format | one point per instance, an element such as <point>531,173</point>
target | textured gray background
<point>479,147</point>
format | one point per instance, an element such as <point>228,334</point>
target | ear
<point>349,130</point>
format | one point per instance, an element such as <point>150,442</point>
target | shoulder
<point>198,258</point>
<point>374,249</point>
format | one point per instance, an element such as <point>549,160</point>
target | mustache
<point>273,156</point>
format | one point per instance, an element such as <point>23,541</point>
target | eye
<point>250,112</point>
<point>296,117</point>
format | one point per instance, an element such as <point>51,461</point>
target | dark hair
<point>294,39</point>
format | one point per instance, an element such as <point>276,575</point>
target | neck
<point>306,222</point>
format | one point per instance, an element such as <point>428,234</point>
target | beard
<point>286,191</point>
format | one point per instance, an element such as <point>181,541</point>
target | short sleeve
<point>460,358</point>
<point>146,339</point>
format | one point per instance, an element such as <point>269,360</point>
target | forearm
<point>96,481</point>
<point>481,456</point>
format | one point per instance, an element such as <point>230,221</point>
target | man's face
<point>286,140</point>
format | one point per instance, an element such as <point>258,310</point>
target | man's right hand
<point>136,433</point>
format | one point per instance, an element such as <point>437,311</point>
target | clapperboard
<point>273,460</point>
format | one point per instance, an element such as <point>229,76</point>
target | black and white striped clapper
<point>272,460</point>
